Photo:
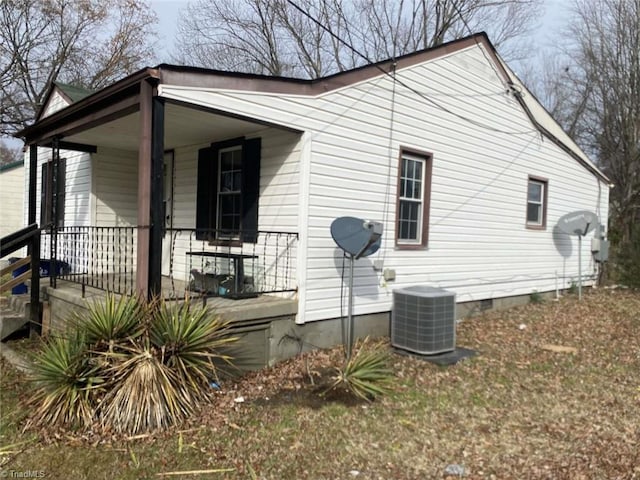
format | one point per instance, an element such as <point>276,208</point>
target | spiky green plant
<point>146,395</point>
<point>66,380</point>
<point>191,341</point>
<point>112,320</point>
<point>366,374</point>
<point>130,364</point>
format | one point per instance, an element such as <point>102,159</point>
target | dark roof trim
<point>206,78</point>
<point>532,118</point>
<point>10,166</point>
<point>127,86</point>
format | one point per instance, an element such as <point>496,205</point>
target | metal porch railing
<point>194,262</point>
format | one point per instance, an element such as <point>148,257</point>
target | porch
<point>183,199</point>
<point>255,321</point>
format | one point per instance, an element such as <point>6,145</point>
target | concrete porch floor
<point>241,310</point>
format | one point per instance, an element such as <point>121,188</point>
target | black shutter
<point>207,194</point>
<point>250,189</point>
<point>45,189</point>
<point>61,175</point>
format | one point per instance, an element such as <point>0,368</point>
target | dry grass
<point>515,411</point>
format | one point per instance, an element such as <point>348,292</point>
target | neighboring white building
<point>445,147</point>
<point>11,197</point>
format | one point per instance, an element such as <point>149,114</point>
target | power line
<point>484,53</point>
<point>400,82</point>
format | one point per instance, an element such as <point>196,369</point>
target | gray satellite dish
<point>357,238</point>
<point>578,223</point>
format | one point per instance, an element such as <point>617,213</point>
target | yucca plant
<point>66,382</point>
<point>191,341</point>
<point>112,320</point>
<point>146,393</point>
<point>366,374</point>
<point>130,364</point>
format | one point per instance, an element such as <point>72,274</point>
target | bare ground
<point>522,409</point>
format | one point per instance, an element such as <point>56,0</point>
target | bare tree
<point>273,37</point>
<point>592,88</point>
<point>89,43</point>
<point>9,155</point>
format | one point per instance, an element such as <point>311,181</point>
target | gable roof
<point>73,92</point>
<point>10,166</point>
<point>547,125</point>
<point>207,78</point>
<point>70,93</point>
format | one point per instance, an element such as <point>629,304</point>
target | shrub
<point>130,365</point>
<point>66,378</point>
<point>628,261</point>
<point>536,297</point>
<point>366,374</point>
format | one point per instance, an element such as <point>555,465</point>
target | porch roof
<point>111,118</point>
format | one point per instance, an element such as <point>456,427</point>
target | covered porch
<point>185,200</point>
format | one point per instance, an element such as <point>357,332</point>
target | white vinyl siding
<point>56,102</point>
<point>116,188</point>
<point>477,244</point>
<point>11,201</point>
<point>77,209</point>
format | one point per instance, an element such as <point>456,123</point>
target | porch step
<point>13,314</point>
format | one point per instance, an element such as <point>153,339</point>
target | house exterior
<point>11,197</point>
<point>446,147</point>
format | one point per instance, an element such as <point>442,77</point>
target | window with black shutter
<point>228,188</point>
<point>52,194</point>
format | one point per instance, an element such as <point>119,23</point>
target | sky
<point>168,12</point>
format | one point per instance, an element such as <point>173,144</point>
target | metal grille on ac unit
<point>423,320</point>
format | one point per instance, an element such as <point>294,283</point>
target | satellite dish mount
<point>579,224</point>
<point>357,238</point>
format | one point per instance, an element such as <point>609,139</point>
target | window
<point>537,203</point>
<point>52,194</point>
<point>414,191</point>
<point>228,187</point>
<point>229,191</point>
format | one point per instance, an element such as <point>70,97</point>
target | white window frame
<point>221,194</point>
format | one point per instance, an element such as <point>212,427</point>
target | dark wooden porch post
<point>157,196</point>
<point>144,189</point>
<point>33,175</point>
<point>150,185</point>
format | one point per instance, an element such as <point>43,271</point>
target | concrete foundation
<point>266,325</point>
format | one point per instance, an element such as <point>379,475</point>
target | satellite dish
<point>357,237</point>
<point>578,223</point>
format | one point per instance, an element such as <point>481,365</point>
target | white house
<point>185,169</point>
<point>11,197</point>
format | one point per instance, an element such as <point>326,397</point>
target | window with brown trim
<point>537,202</point>
<point>413,199</point>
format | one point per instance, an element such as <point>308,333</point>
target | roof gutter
<point>596,172</point>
